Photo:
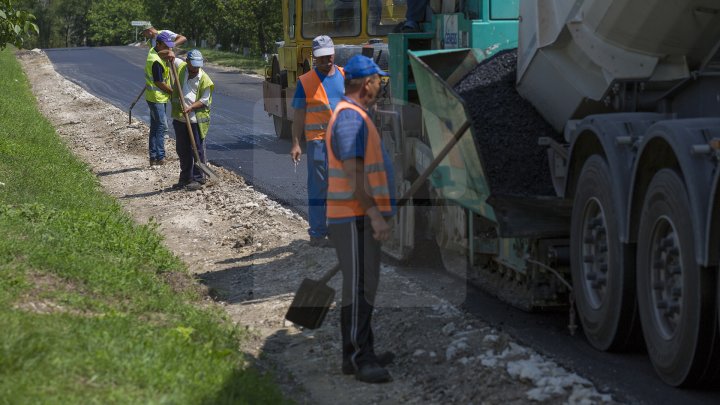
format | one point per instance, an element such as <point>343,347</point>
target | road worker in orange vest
<point>318,92</point>
<point>360,201</point>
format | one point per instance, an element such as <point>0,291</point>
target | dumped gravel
<point>507,128</point>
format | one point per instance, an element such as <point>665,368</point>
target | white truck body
<point>572,52</point>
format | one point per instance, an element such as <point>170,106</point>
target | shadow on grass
<point>247,386</point>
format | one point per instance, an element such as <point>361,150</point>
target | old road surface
<point>242,139</point>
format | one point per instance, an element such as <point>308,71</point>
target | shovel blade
<point>311,304</point>
<point>205,169</point>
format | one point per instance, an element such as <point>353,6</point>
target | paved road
<point>242,139</point>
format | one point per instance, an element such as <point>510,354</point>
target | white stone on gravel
<point>491,339</point>
<point>457,346</point>
<point>449,329</point>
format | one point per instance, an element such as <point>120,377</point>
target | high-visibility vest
<point>341,201</point>
<point>152,92</point>
<point>317,105</point>
<point>202,115</point>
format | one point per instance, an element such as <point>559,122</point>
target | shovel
<point>198,164</point>
<point>313,299</point>
<point>133,105</point>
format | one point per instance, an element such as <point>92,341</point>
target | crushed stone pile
<point>507,128</point>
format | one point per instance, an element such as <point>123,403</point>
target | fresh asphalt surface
<point>242,139</point>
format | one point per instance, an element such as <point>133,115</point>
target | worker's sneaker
<point>160,162</point>
<point>320,242</point>
<point>193,186</point>
<point>383,359</point>
<point>179,185</point>
<point>373,373</point>
<point>407,27</point>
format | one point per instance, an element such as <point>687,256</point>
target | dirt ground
<point>250,254</point>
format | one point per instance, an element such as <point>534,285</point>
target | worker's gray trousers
<point>359,256</point>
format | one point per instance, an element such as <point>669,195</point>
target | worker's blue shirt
<point>349,139</point>
<point>333,84</point>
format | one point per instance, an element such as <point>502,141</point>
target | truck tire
<point>603,278</point>
<point>283,126</point>
<point>676,296</point>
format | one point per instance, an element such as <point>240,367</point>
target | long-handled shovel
<point>313,299</point>
<point>198,164</point>
<point>133,105</point>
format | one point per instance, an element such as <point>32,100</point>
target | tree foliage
<point>72,17</point>
<point>228,24</point>
<point>109,21</point>
<point>15,25</point>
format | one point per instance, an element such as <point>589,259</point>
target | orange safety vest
<point>341,201</point>
<point>317,109</point>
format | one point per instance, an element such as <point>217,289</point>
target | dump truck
<point>353,25</point>
<point>588,174</point>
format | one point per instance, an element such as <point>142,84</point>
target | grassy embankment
<point>85,316</point>
<point>246,64</point>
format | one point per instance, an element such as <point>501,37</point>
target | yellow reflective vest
<point>152,92</point>
<point>202,115</point>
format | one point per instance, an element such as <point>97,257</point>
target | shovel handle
<point>329,274</point>
<point>133,105</point>
<point>137,98</point>
<point>415,186</point>
<point>178,88</point>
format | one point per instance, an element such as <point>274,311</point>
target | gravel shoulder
<point>250,254</point>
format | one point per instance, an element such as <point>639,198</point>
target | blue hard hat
<point>361,66</point>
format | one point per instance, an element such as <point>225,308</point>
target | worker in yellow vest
<point>197,88</point>
<point>317,93</point>
<point>157,94</point>
<point>360,201</point>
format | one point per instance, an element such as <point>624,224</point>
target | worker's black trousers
<point>359,256</point>
<point>183,147</point>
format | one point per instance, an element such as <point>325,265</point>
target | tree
<point>15,25</point>
<point>236,25</point>
<point>44,20</point>
<point>71,16</point>
<point>268,17</point>
<point>109,21</point>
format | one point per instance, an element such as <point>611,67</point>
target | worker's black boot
<point>372,373</point>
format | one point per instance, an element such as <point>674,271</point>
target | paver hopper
<point>461,177</point>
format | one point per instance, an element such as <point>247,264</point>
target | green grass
<point>246,64</point>
<point>115,332</point>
